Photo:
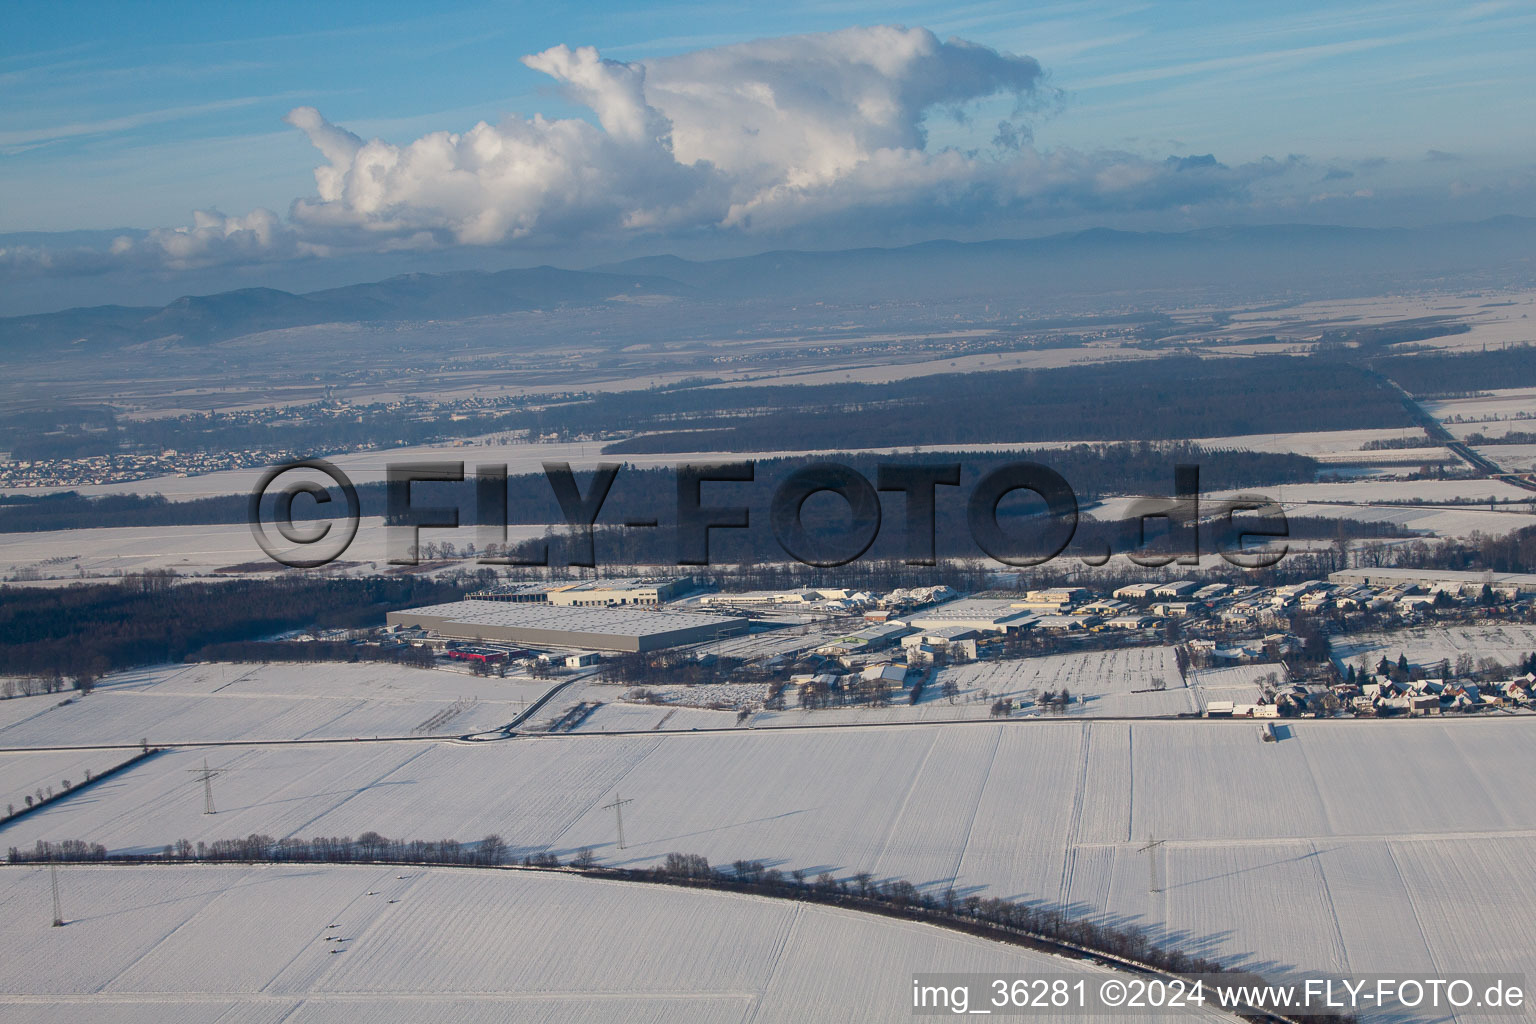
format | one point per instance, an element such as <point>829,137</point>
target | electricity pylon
<point>206,774</point>
<point>618,812</point>
<point>58,910</point>
<point>1154,874</point>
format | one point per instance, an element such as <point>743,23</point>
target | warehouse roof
<point>626,621</point>
<point>972,611</point>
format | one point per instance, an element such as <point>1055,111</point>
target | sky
<point>176,144</point>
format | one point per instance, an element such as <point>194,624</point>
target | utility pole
<point>618,812</point>
<point>1154,876</point>
<point>58,910</point>
<point>207,774</point>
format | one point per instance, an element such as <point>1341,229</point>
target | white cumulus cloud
<point>705,139</point>
<point>805,132</point>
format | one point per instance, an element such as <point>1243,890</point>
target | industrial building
<point>592,629</point>
<point>484,655</point>
<point>759,598</point>
<point>1135,591</point>
<point>1447,579</point>
<point>870,638</point>
<point>921,647</point>
<point>1176,589</point>
<point>1056,599</point>
<point>643,590</point>
<point>986,614</point>
<point>515,593</point>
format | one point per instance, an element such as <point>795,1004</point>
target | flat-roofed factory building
<point>540,625</point>
<point>642,590</point>
<point>991,615</point>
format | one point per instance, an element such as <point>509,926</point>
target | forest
<point>1446,374</point>
<point>85,631</point>
<point>1156,399</point>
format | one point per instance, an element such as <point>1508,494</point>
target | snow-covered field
<point>190,550</point>
<point>1371,500</point>
<point>1113,683</point>
<point>1237,683</point>
<point>1492,416</point>
<point>1102,683</point>
<point>1324,445</point>
<point>1511,458</point>
<point>623,716</point>
<point>1435,522</point>
<point>216,701</point>
<point>199,943</point>
<point>1495,319</point>
<point>1366,499</point>
<point>1348,847</point>
<point>1508,642</point>
<point>1430,492</point>
<point>23,774</point>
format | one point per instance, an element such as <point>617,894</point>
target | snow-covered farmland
<point>189,550</point>
<point>1119,682</point>
<point>1512,458</point>
<point>1389,492</point>
<point>252,944</point>
<point>1427,646</point>
<point>1437,507</point>
<point>46,772</point>
<point>1492,323</point>
<point>1241,684</point>
<point>626,716</point>
<point>1494,415</point>
<point>1323,445</point>
<point>1103,684</point>
<point>216,701</point>
<point>1441,510</point>
<point>1347,847</point>
<point>1432,521</point>
<point>672,708</point>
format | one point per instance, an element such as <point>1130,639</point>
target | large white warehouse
<point>536,625</point>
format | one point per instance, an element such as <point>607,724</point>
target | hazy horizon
<point>281,145</point>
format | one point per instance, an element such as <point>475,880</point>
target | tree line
<point>86,630</point>
<point>316,651</point>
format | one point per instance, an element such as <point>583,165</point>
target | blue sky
<point>1376,113</point>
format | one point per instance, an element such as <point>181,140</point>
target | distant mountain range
<point>1116,264</point>
<point>203,319</point>
<point>1251,259</point>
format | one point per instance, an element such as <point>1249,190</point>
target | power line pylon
<point>58,909</point>
<point>1153,850</point>
<point>206,774</point>
<point>618,812</point>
